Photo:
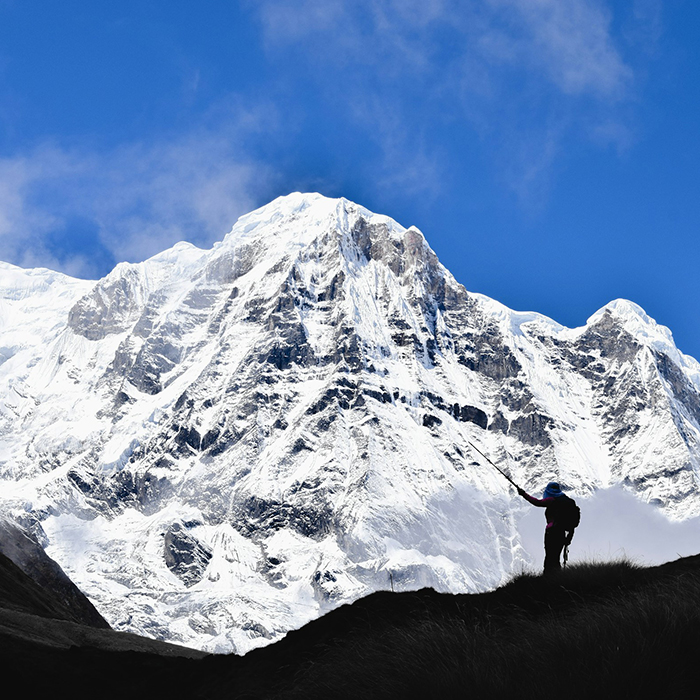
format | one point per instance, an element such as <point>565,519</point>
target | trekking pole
<point>474,447</point>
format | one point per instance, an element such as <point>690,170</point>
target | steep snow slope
<point>220,445</point>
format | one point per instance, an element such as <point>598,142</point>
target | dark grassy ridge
<point>598,630</point>
<point>595,631</point>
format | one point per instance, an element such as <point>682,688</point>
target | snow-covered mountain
<point>218,446</point>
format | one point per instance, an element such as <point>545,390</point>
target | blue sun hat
<point>553,490</point>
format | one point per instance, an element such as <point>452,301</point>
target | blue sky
<point>548,149</point>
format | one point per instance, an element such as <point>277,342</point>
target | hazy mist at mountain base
<point>615,524</point>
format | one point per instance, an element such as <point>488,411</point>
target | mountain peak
<point>626,311</point>
<point>644,329</point>
<point>303,216</point>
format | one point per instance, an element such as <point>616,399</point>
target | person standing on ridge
<point>562,515</point>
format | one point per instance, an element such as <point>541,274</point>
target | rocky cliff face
<point>220,445</point>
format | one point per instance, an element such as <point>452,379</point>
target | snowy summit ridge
<point>219,445</point>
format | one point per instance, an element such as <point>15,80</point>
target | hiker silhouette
<point>562,519</point>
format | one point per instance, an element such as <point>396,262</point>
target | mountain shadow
<point>594,631</point>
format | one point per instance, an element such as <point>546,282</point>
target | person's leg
<point>554,540</point>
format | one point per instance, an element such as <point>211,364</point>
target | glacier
<point>221,445</point>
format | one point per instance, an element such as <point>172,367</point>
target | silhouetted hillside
<point>598,631</point>
<point>62,594</point>
<point>595,631</point>
<point>48,641</point>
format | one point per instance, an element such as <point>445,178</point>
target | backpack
<point>566,514</point>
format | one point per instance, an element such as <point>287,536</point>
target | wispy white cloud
<point>22,224</point>
<point>528,166</point>
<point>287,21</point>
<point>416,170</point>
<point>568,41</point>
<point>507,68</point>
<point>643,26</point>
<point>137,199</point>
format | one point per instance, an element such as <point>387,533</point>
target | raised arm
<point>539,502</point>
